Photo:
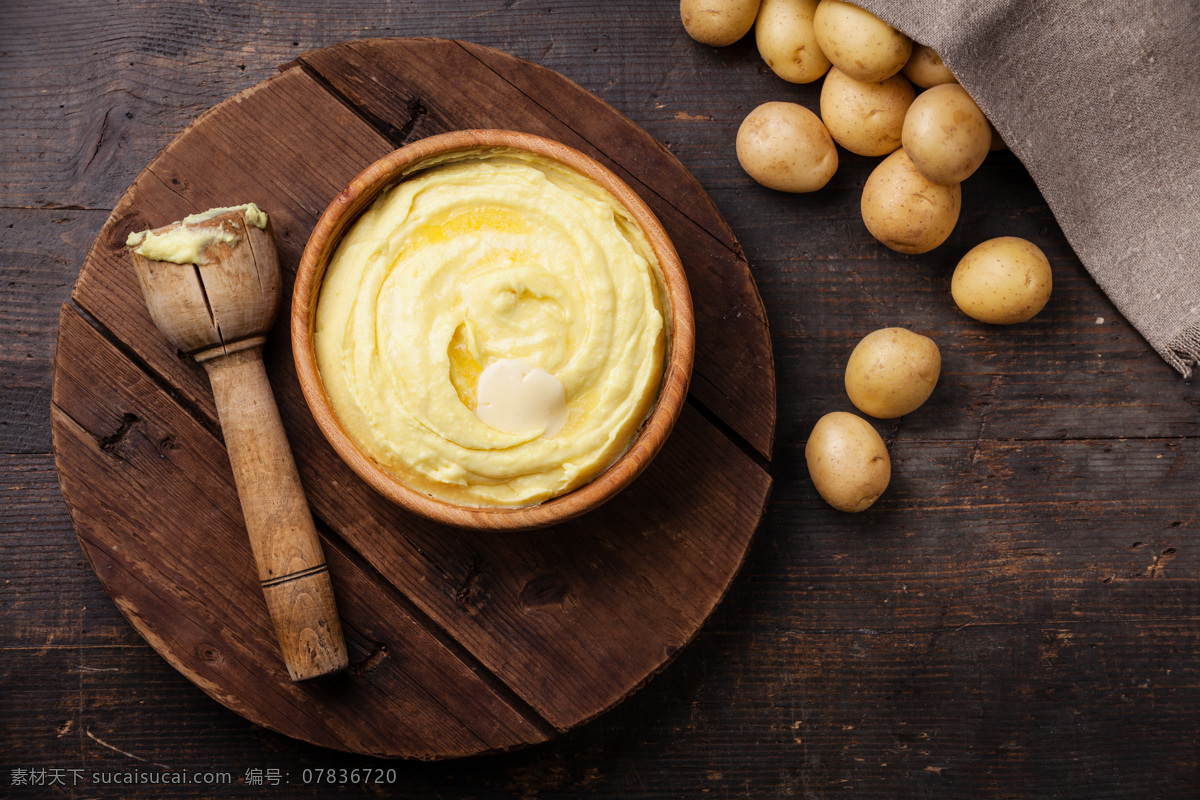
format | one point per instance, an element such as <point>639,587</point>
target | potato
<point>1002,281</point>
<point>859,43</point>
<point>784,33</point>
<point>865,118</point>
<point>905,210</point>
<point>925,68</point>
<point>784,146</point>
<point>891,372</point>
<point>718,22</point>
<point>946,135</point>
<point>847,461</point>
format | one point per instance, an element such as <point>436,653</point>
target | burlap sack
<point>1101,102</point>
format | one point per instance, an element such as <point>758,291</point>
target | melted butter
<point>490,219</point>
<point>464,365</point>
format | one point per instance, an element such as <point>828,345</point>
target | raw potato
<point>891,372</point>
<point>785,146</point>
<point>1002,281</point>
<point>905,210</point>
<point>859,43</point>
<point>718,22</point>
<point>847,461</point>
<point>925,68</point>
<point>784,33</point>
<point>946,135</point>
<point>865,118</point>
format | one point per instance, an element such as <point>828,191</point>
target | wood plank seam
<point>760,459</point>
<point>131,355</point>
<point>103,445</point>
<point>333,539</point>
<point>397,136</point>
<point>375,658</point>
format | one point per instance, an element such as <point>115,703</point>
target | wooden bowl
<point>355,199</point>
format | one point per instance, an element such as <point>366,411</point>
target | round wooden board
<point>460,642</point>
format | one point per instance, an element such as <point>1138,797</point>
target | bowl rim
<point>345,210</point>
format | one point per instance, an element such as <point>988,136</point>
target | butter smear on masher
<point>184,243</point>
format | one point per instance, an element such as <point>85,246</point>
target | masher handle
<point>291,566</point>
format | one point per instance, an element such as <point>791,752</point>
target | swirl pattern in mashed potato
<point>498,255</point>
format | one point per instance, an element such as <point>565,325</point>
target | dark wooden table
<point>1017,617</point>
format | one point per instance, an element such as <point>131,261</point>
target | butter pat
<point>185,242</point>
<point>515,397</point>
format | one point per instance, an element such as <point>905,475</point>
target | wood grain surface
<point>1016,618</point>
<point>568,620</point>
